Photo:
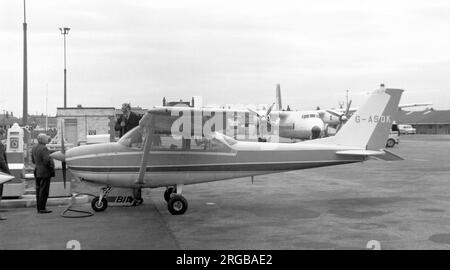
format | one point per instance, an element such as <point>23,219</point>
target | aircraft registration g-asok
<point>150,157</point>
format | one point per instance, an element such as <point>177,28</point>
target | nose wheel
<point>99,204</point>
<point>176,203</point>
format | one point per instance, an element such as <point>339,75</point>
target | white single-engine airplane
<point>146,158</point>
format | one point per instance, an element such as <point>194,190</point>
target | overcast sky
<point>226,51</point>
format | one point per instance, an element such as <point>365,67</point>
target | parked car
<point>406,129</point>
<point>393,138</point>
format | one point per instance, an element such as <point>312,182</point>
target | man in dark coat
<point>43,172</point>
<point>127,121</point>
<point>3,163</point>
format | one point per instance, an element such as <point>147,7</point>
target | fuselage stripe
<point>212,167</point>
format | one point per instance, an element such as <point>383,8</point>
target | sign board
<point>14,141</point>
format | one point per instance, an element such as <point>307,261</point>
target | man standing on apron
<point>3,163</point>
<point>43,172</point>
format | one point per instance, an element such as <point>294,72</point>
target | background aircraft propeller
<point>265,118</point>
<point>343,117</point>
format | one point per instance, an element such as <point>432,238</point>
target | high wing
<point>401,106</point>
<point>219,119</point>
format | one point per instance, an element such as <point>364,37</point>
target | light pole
<point>25,70</point>
<point>64,32</point>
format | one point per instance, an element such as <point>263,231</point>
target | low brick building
<point>82,121</point>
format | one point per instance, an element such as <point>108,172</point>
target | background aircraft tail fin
<point>369,127</point>
<point>278,105</point>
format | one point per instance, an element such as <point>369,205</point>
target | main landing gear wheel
<point>99,206</point>
<point>177,205</point>
<point>168,193</point>
<point>390,143</point>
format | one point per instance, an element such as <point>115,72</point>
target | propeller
<point>63,151</point>
<point>263,118</point>
<point>343,117</point>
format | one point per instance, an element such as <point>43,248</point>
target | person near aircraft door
<point>43,172</point>
<point>3,163</point>
<point>127,121</point>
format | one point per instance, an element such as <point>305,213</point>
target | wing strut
<point>147,124</point>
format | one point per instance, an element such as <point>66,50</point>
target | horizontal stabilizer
<point>382,154</point>
<point>389,156</point>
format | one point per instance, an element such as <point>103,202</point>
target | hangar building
<point>429,121</point>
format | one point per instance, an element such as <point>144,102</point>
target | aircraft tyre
<point>167,193</point>
<point>99,206</point>
<point>390,143</point>
<point>177,205</point>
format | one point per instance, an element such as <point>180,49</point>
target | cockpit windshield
<point>134,138</point>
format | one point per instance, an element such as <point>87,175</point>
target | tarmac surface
<point>401,204</point>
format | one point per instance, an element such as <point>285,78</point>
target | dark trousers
<point>42,190</point>
<point>1,192</point>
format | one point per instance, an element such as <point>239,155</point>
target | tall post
<point>64,32</point>
<point>25,69</point>
<point>65,74</point>
<point>346,96</point>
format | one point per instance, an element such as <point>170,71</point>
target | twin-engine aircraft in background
<point>172,151</point>
<point>332,119</point>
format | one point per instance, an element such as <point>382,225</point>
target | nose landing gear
<point>99,204</point>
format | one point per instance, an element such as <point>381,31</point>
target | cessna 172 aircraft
<point>152,156</point>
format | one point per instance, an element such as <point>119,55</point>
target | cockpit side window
<point>135,139</point>
<point>196,144</point>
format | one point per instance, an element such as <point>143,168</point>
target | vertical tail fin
<point>368,128</point>
<point>278,105</point>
